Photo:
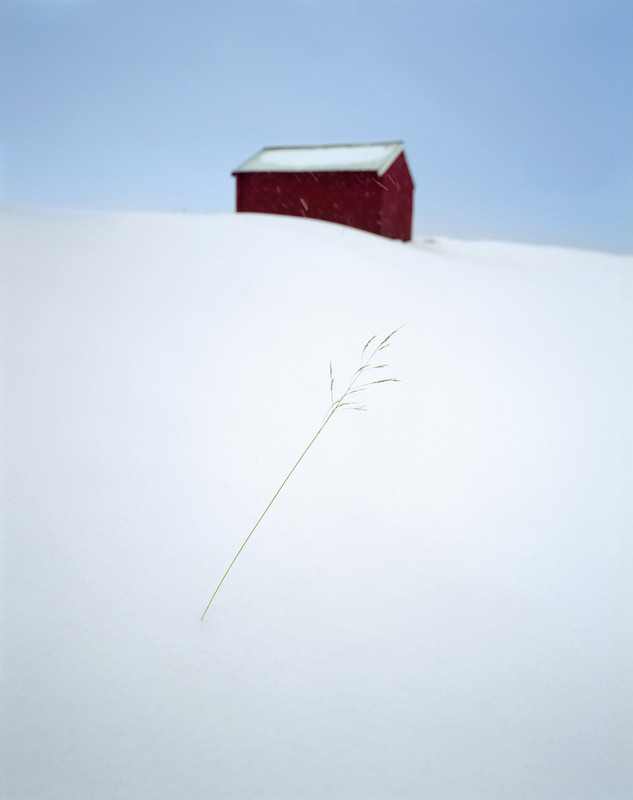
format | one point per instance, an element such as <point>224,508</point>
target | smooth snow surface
<point>331,158</point>
<point>439,603</point>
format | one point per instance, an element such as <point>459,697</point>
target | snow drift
<point>438,604</point>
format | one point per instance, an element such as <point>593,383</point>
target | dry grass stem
<point>341,403</point>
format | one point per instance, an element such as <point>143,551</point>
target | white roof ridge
<point>363,157</point>
<point>335,144</point>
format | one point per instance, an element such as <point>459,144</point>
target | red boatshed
<point>366,186</point>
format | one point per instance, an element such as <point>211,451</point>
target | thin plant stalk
<point>341,403</point>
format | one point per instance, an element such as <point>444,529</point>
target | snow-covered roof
<point>325,158</point>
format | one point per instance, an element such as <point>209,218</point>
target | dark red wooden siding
<point>396,217</point>
<point>358,199</point>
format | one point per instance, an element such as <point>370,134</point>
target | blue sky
<point>517,115</point>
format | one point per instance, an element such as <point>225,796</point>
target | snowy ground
<point>439,603</point>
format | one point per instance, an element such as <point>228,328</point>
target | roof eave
<point>391,160</point>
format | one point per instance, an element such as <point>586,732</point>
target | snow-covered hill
<point>436,606</point>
